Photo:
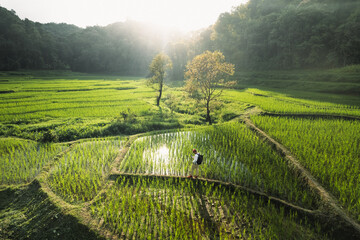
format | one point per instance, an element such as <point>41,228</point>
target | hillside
<point>260,35</point>
<point>123,48</point>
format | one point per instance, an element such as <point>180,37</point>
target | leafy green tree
<point>290,34</point>
<point>205,74</point>
<point>158,67</point>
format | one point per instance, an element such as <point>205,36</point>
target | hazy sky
<point>182,14</point>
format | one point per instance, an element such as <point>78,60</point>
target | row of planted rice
<point>232,153</point>
<point>80,173</point>
<point>330,149</point>
<point>21,160</point>
<point>175,208</point>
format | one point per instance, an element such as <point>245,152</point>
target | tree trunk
<point>208,118</point>
<point>160,93</point>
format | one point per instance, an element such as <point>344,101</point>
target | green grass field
<point>247,189</point>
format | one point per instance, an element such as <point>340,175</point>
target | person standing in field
<point>196,162</point>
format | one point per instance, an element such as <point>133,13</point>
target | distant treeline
<point>125,48</point>
<point>284,34</point>
<point>262,34</point>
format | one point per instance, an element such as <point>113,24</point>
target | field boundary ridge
<point>228,185</point>
<point>346,222</point>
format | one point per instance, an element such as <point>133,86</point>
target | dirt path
<point>346,223</point>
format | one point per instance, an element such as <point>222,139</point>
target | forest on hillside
<point>259,35</point>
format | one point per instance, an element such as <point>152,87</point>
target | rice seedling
<point>80,173</point>
<point>154,208</point>
<point>283,103</point>
<point>21,160</point>
<point>59,101</point>
<point>328,148</point>
<point>232,153</point>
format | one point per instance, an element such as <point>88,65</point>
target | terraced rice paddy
<point>80,173</point>
<point>285,103</point>
<point>328,148</point>
<point>150,208</point>
<point>61,98</point>
<point>232,154</point>
<point>22,160</point>
<point>101,180</point>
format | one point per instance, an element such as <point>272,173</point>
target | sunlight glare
<point>183,15</point>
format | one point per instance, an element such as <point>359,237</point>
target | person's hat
<point>194,150</point>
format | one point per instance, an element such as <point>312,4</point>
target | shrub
<point>49,136</point>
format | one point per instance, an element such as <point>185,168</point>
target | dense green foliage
<point>279,34</point>
<point>262,34</point>
<point>125,48</point>
<point>290,34</point>
<point>328,148</point>
<point>143,208</point>
<point>22,160</point>
<point>232,154</point>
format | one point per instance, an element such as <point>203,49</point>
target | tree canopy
<point>158,67</point>
<point>122,48</point>
<point>205,74</point>
<point>262,34</point>
<point>282,34</point>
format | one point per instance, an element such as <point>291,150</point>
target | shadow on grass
<point>27,213</point>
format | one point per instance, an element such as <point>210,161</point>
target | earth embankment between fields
<point>277,201</point>
<point>347,227</point>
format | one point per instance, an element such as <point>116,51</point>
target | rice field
<point>232,153</point>
<point>285,103</point>
<point>81,172</point>
<point>30,99</point>
<point>21,160</point>
<point>170,207</point>
<point>150,208</point>
<point>328,148</point>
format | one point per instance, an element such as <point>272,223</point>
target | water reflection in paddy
<point>171,154</point>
